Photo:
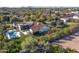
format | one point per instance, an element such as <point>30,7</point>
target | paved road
<point>72,41</point>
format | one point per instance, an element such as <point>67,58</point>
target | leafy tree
<point>2,41</point>
<point>14,46</point>
<point>6,19</point>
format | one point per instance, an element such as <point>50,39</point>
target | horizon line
<point>40,7</point>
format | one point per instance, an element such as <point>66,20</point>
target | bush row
<point>64,32</point>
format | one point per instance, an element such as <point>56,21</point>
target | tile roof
<point>36,27</point>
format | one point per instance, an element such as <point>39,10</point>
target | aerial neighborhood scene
<point>39,30</point>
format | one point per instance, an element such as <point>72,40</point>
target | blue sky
<point>46,3</point>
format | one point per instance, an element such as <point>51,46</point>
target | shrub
<point>59,49</point>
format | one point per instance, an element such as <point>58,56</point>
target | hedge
<point>65,32</point>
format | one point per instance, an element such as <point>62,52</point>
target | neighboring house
<point>76,16</point>
<point>66,17</point>
<point>64,20</point>
<point>10,34</point>
<point>39,29</point>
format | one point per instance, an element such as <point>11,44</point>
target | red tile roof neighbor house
<point>36,27</point>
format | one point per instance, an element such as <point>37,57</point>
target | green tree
<point>2,41</point>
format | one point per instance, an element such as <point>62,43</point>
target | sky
<point>36,3</point>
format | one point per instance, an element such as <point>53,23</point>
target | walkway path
<point>71,41</point>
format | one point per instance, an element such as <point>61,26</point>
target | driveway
<point>71,41</point>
